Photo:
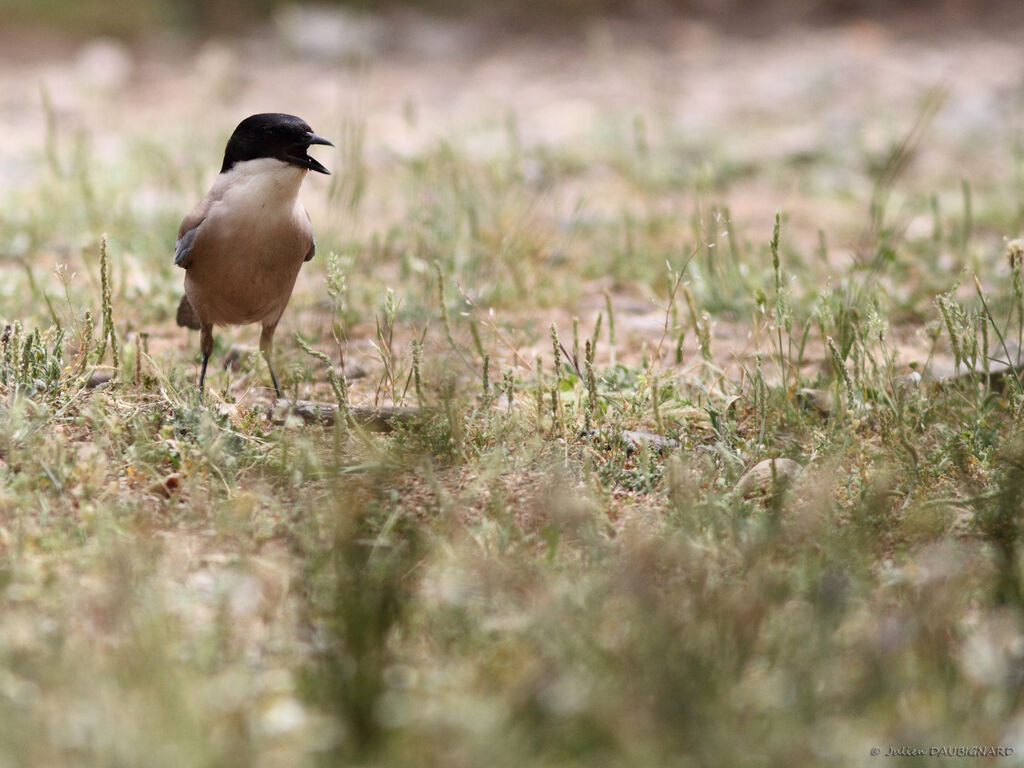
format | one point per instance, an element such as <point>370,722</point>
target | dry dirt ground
<point>795,119</point>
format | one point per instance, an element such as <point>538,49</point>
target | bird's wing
<point>312,240</point>
<point>187,234</point>
<point>183,248</point>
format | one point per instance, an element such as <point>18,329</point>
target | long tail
<point>187,317</point>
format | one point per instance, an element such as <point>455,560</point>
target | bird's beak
<point>314,165</point>
<point>312,138</point>
<point>310,163</point>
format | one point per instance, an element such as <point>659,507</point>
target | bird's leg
<point>267,350</point>
<point>206,347</point>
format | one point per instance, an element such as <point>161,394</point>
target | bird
<point>243,244</point>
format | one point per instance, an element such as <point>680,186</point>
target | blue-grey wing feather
<point>183,248</point>
<point>312,240</point>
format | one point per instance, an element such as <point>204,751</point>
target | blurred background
<point>206,17</point>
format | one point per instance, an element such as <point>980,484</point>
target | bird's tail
<point>187,317</point>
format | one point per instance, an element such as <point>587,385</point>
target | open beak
<point>302,158</point>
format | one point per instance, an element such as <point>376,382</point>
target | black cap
<point>272,134</point>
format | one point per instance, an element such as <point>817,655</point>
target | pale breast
<point>249,248</point>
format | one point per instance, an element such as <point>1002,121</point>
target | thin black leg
<point>206,347</point>
<point>267,349</point>
<point>202,372</point>
<point>273,378</point>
